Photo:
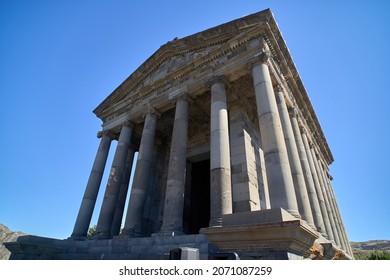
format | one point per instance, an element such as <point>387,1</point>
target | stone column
<point>120,205</point>
<point>317,186</point>
<point>320,191</point>
<point>311,191</point>
<point>280,182</point>
<point>92,189</point>
<point>174,194</point>
<point>103,228</point>
<point>328,202</point>
<point>340,242</point>
<point>139,189</point>
<point>344,243</point>
<point>295,164</point>
<point>220,185</point>
<point>344,239</point>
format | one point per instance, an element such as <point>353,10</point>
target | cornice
<point>198,41</point>
<point>121,97</point>
<point>285,64</point>
<point>227,37</point>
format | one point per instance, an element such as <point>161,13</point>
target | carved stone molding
<point>106,132</point>
<point>151,110</point>
<point>222,79</point>
<point>292,112</point>
<point>302,129</point>
<point>184,96</point>
<point>264,56</point>
<point>278,88</point>
<point>128,123</point>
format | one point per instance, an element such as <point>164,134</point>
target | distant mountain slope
<point>7,235</point>
<point>372,245</point>
<point>361,249</point>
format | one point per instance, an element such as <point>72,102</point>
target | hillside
<point>7,235</point>
<point>361,249</point>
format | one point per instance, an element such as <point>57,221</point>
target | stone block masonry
<point>231,157</point>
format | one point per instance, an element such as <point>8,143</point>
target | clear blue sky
<point>60,59</point>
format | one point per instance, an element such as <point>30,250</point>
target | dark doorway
<point>197,197</point>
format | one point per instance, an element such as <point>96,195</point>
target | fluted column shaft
<point>336,218</point>
<point>344,238</point>
<point>92,189</point>
<point>174,194</point>
<point>220,185</point>
<point>280,182</point>
<point>317,188</point>
<point>328,201</point>
<point>295,164</point>
<point>103,228</point>
<point>315,206</point>
<point>139,189</point>
<point>120,205</point>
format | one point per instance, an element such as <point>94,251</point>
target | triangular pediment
<point>178,57</point>
<point>186,65</point>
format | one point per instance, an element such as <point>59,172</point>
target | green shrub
<point>91,232</point>
<point>379,255</point>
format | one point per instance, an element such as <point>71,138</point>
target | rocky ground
<point>7,235</point>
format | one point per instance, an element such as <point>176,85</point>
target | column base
<point>295,214</point>
<point>130,233</point>
<point>259,234</point>
<point>102,235</point>
<point>217,222</point>
<point>76,236</point>
<point>168,233</point>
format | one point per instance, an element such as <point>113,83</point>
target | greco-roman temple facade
<point>231,159</point>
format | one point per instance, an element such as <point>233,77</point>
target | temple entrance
<point>197,197</point>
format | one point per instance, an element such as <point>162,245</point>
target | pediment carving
<point>179,57</point>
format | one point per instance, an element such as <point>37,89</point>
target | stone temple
<point>232,161</point>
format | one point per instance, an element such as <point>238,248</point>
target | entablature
<point>187,64</point>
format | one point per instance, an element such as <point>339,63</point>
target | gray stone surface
<point>174,198</point>
<point>220,182</point>
<point>245,164</point>
<point>317,186</point>
<point>311,191</point>
<point>91,191</point>
<point>107,212</point>
<point>126,248</point>
<point>281,187</point>
<point>295,164</point>
<point>139,189</point>
<point>258,217</point>
<point>222,166</point>
<point>120,205</point>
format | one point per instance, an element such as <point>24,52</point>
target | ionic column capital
<point>302,129</point>
<point>293,112</point>
<point>221,79</point>
<point>152,111</point>
<point>278,88</point>
<point>185,97</point>
<point>128,123</point>
<point>279,95</point>
<point>106,132</point>
<point>263,57</point>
